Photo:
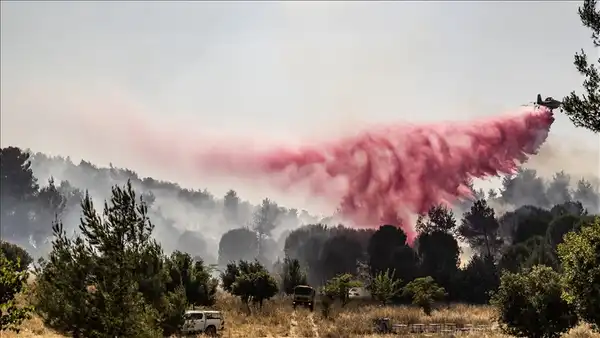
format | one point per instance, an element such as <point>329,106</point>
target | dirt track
<point>310,321</point>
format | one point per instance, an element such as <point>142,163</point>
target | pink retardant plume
<point>387,175</point>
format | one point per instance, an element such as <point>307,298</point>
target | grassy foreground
<point>277,319</point>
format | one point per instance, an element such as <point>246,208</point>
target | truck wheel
<point>211,331</point>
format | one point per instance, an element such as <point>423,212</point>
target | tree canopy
<point>119,254</point>
<point>584,109</point>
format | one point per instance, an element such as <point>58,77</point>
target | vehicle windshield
<point>303,291</point>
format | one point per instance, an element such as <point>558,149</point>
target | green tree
<point>437,249</point>
<point>580,258</point>
<point>238,244</point>
<point>233,271</point>
<point>439,218</point>
<point>231,204</point>
<point>13,280</point>
<point>192,274</point>
<point>229,276</point>
<point>193,243</point>
<point>574,208</point>
<point>18,191</point>
<point>479,228</point>
<point>384,286</point>
<point>387,240</point>
<point>171,311</point>
<point>265,218</point>
<point>256,286</point>
<point>339,287</point>
<point>110,280</point>
<point>65,288</point>
<point>439,255</point>
<point>424,293</point>
<point>15,253</point>
<point>305,244</point>
<point>542,254</point>
<point>51,203</point>
<point>588,195</point>
<point>151,274</point>
<point>478,278</point>
<point>560,226</point>
<point>120,238</point>
<point>558,189</point>
<point>250,281</point>
<point>534,251</point>
<point>339,255</point>
<point>525,222</point>
<point>525,187</point>
<point>292,275</point>
<point>584,110</point>
<point>529,304</point>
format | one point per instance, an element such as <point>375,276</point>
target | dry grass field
<point>278,319</point>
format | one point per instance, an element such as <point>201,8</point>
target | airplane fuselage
<point>551,105</point>
<point>549,102</point>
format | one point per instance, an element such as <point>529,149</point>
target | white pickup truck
<point>203,321</point>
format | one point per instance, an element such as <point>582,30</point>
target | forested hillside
<point>185,219</point>
<point>511,224</point>
<point>100,252</point>
<point>519,228</point>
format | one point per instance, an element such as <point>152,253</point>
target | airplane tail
<point>539,99</point>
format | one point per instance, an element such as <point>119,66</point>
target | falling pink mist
<point>387,175</point>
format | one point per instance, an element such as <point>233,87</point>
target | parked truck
<point>203,321</point>
<point>304,295</point>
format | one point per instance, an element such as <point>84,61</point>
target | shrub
<point>12,282</point>
<point>424,292</point>
<point>580,258</point>
<point>384,287</point>
<point>529,304</point>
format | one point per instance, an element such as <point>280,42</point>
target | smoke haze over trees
<point>509,225</point>
<point>125,255</point>
<point>37,187</point>
<point>335,257</point>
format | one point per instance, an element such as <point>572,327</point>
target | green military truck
<point>304,295</point>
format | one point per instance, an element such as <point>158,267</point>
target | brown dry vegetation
<point>277,317</point>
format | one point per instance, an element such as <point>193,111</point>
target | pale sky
<point>278,70</point>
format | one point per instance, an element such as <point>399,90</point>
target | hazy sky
<point>276,70</point>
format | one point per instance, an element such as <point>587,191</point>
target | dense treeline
<point>36,187</point>
<point>114,279</point>
<point>534,246</point>
<point>540,214</point>
<point>221,230</point>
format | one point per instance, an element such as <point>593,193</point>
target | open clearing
<point>277,317</point>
